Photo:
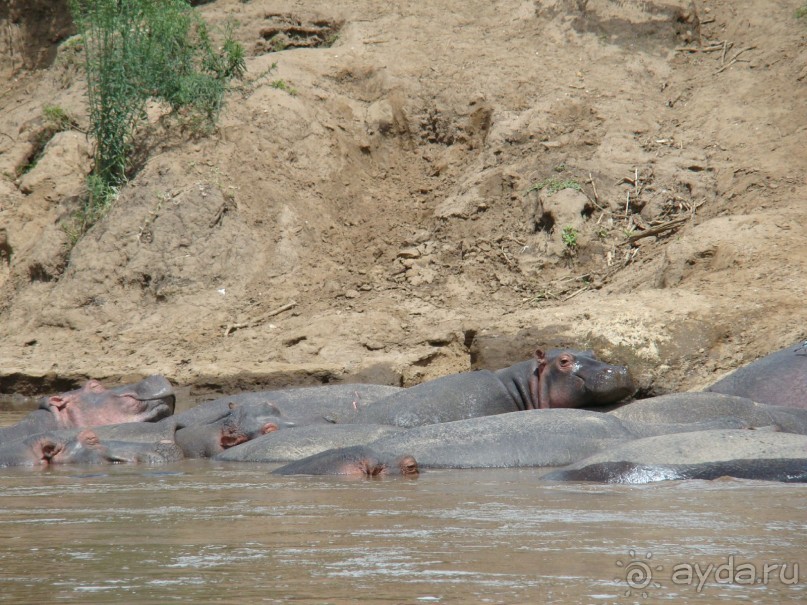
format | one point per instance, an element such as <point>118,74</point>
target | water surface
<point>206,532</point>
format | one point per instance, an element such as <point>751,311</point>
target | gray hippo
<point>700,409</point>
<point>744,454</point>
<point>125,443</point>
<point>777,379</point>
<point>337,403</point>
<point>530,438</point>
<point>558,379</point>
<point>356,461</point>
<point>240,424</point>
<point>149,400</point>
<point>285,446</point>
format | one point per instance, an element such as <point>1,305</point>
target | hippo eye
<point>565,361</point>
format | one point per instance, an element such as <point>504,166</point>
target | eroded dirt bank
<point>380,206</point>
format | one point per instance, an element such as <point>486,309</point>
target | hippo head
<point>93,404</point>
<point>383,465</point>
<point>564,378</point>
<point>51,448</point>
<point>242,424</point>
<point>87,448</point>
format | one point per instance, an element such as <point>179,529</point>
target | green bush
<point>569,237</point>
<point>137,50</point>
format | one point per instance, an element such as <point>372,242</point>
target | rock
<point>61,170</point>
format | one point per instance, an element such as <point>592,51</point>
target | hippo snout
<point>611,384</point>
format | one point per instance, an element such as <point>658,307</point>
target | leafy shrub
<point>136,50</point>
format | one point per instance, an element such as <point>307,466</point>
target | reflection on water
<point>205,532</point>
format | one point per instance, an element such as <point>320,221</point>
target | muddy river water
<point>207,532</point>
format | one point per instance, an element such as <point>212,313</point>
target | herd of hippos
<point>559,409</point>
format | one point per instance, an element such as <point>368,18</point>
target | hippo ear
<point>94,386</point>
<point>408,465</point>
<point>48,449</point>
<point>374,470</point>
<point>58,402</point>
<point>232,405</point>
<point>269,427</point>
<point>540,358</point>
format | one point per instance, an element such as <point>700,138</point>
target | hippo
<point>530,438</point>
<point>777,379</point>
<point>149,400</point>
<point>336,402</point>
<point>704,408</point>
<point>286,446</point>
<point>744,454</point>
<point>85,447</point>
<point>554,437</point>
<point>356,461</point>
<point>557,379</point>
<point>240,424</point>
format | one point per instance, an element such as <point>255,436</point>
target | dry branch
<point>258,320</point>
<point>658,229</point>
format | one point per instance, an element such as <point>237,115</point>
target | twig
<point>575,293</point>
<point>509,260</point>
<point>695,49</point>
<point>254,322</point>
<point>734,59</point>
<point>658,229</point>
<point>594,187</point>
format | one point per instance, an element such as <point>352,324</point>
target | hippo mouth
<point>160,408</point>
<point>154,393</point>
<point>157,409</point>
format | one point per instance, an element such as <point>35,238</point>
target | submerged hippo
<point>557,379</point>
<point>149,400</point>
<point>777,379</point>
<point>85,447</point>
<point>357,461</point>
<point>766,455</point>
